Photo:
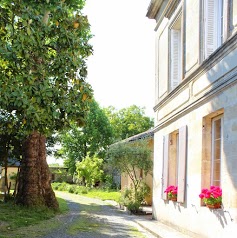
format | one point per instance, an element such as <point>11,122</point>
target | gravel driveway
<point>93,218</point>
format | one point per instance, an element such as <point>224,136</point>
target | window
<point>212,25</point>
<point>212,149</point>
<point>174,162</point>
<point>216,151</point>
<point>173,158</point>
<point>175,53</point>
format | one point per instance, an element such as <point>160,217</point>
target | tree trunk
<point>34,188</point>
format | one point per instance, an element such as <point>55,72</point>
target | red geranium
<point>171,191</point>
<point>211,196</point>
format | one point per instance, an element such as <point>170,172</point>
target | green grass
<point>17,221</point>
<point>103,194</point>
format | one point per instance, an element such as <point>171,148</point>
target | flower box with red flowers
<point>212,197</point>
<point>172,192</point>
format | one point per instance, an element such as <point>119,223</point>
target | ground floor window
<point>174,162</point>
<point>212,148</point>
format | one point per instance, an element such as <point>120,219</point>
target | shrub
<point>134,199</point>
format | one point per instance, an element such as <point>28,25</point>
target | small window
<point>175,54</point>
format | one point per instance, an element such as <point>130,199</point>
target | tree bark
<point>34,188</point>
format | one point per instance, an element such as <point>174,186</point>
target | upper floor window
<point>175,53</point>
<point>212,26</point>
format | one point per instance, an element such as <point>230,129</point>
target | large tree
<point>93,138</point>
<point>43,51</point>
<point>128,121</point>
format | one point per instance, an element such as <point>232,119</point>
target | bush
<point>71,188</point>
<point>133,201</point>
<point>60,186</point>
<point>133,206</point>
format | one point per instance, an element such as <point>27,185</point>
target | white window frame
<point>220,117</point>
<point>181,164</point>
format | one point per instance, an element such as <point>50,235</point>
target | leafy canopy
<point>93,138</point>
<point>129,157</point>
<point>43,51</point>
<point>128,122</point>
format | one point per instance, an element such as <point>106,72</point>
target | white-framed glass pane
<point>216,150</point>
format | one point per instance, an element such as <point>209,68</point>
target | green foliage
<point>44,47</point>
<point>108,182</point>
<point>103,194</point>
<point>133,199</point>
<point>10,143</point>
<point>61,175</point>
<point>129,156</point>
<point>71,188</point>
<point>128,122</point>
<point>90,169</point>
<point>93,138</point>
<point>61,186</point>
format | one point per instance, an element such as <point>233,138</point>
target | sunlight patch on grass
<point>135,232</point>
<point>103,195</point>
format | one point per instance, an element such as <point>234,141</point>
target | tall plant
<point>44,46</point>
<point>129,158</point>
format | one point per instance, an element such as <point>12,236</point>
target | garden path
<point>93,218</point>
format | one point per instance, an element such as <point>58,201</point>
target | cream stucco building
<point>195,137</point>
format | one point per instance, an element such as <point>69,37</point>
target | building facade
<point>195,134</point>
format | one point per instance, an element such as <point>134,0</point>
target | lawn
<point>17,221</point>
<point>20,222</point>
<point>103,194</point>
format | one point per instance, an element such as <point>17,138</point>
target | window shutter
<point>165,166</point>
<point>182,164</point>
<point>213,26</point>
<point>175,58</point>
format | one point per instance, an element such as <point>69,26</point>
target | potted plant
<point>212,197</point>
<point>172,192</point>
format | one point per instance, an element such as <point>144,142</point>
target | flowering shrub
<point>211,196</point>
<point>171,191</point>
